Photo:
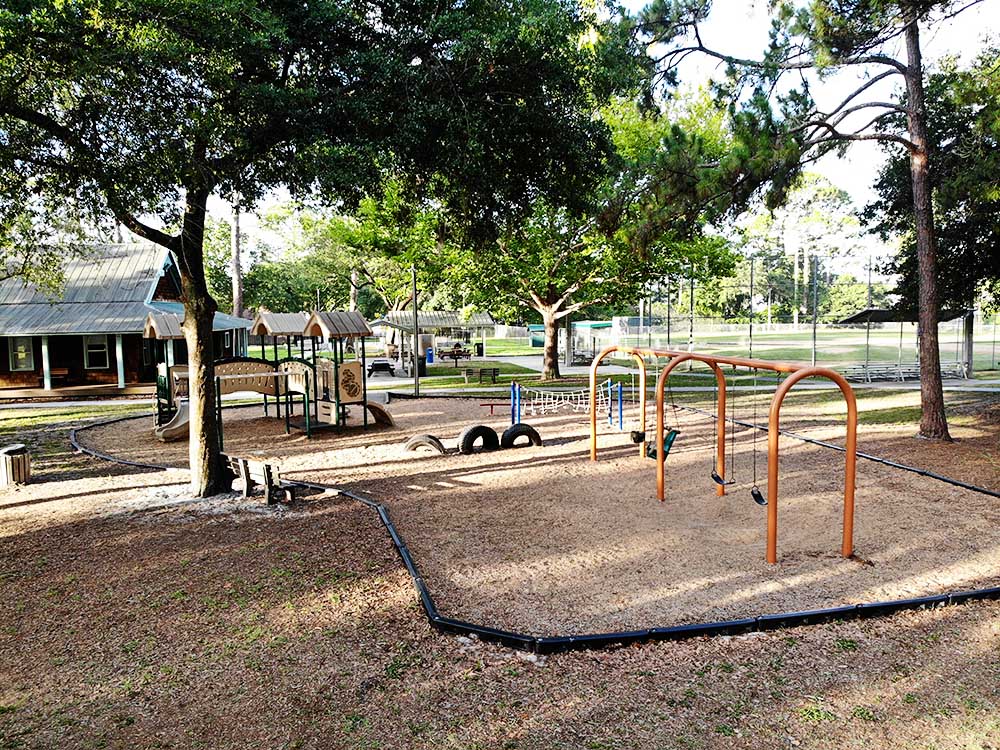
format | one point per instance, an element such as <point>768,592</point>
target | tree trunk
<point>237,268</point>
<point>353,303</point>
<point>550,354</point>
<point>933,421</point>
<point>208,475</point>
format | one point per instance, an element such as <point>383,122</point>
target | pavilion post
<point>46,369</point>
<point>120,360</point>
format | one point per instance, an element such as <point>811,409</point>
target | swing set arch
<point>796,373</point>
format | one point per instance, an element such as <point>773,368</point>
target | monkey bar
<point>796,373</point>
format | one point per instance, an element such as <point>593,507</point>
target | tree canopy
<point>140,111</point>
<point>963,107</point>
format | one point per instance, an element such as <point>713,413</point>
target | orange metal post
<point>661,460</point>
<point>850,460</point>
<point>593,394</point>
<point>720,439</point>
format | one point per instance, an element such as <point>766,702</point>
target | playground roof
<point>431,319</point>
<point>164,321</point>
<point>881,315</point>
<point>279,324</point>
<point>337,324</point>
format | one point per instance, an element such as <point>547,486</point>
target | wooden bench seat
<point>253,472</point>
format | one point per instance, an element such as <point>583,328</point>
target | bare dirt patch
<point>131,619</point>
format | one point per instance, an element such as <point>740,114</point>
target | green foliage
<point>964,131</point>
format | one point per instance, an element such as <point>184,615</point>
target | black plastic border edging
<point>558,644</point>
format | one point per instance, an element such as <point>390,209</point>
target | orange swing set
<point>795,374</point>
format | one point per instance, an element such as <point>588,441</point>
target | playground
<point>199,613</point>
<point>500,544</point>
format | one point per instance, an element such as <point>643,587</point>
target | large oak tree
<point>141,109</point>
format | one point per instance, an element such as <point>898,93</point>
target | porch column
<point>120,360</point>
<point>46,370</point>
<point>170,353</point>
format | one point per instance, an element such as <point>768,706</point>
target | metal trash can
<point>480,350</point>
<point>15,465</point>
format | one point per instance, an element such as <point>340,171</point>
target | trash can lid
<point>14,450</point>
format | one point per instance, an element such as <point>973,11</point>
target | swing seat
<point>720,481</point>
<point>668,441</point>
<point>638,437</point>
<point>758,496</point>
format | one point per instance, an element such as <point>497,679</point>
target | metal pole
<point>751,306</point>
<point>993,356</point>
<point>815,305</point>
<point>416,333</point>
<point>690,364</point>
<point>669,293</point>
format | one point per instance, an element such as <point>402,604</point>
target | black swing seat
<point>720,481</point>
<point>758,496</point>
<point>668,440</point>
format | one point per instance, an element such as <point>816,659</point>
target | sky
<point>740,27</point>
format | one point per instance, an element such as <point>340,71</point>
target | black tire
<point>519,430</point>
<point>424,441</point>
<point>467,440</point>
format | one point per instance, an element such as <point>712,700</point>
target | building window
<point>95,352</point>
<point>229,339</point>
<point>22,354</point>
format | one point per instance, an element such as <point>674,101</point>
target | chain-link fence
<point>804,327</point>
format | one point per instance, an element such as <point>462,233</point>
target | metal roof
<point>164,321</point>
<point>438,319</point>
<point>279,324</point>
<point>104,291</point>
<point>893,315</point>
<point>337,324</point>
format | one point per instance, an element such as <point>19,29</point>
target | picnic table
<point>457,354</point>
<point>482,373</point>
<point>381,365</point>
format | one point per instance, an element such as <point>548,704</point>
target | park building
<point>89,336</point>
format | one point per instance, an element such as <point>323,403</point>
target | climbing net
<point>536,401</point>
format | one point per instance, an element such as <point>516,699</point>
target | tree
<point>673,172</point>
<point>142,111</point>
<point>963,108</point>
<point>824,37</point>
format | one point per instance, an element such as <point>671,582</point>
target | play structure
<point>664,438</point>
<point>311,394</point>
<point>538,401</point>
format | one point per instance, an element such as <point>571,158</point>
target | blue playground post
<point>621,421</point>
<point>515,402</point>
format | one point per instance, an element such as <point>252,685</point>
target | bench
<point>898,371</point>
<point>482,373</point>
<point>381,365</point>
<point>253,473</point>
